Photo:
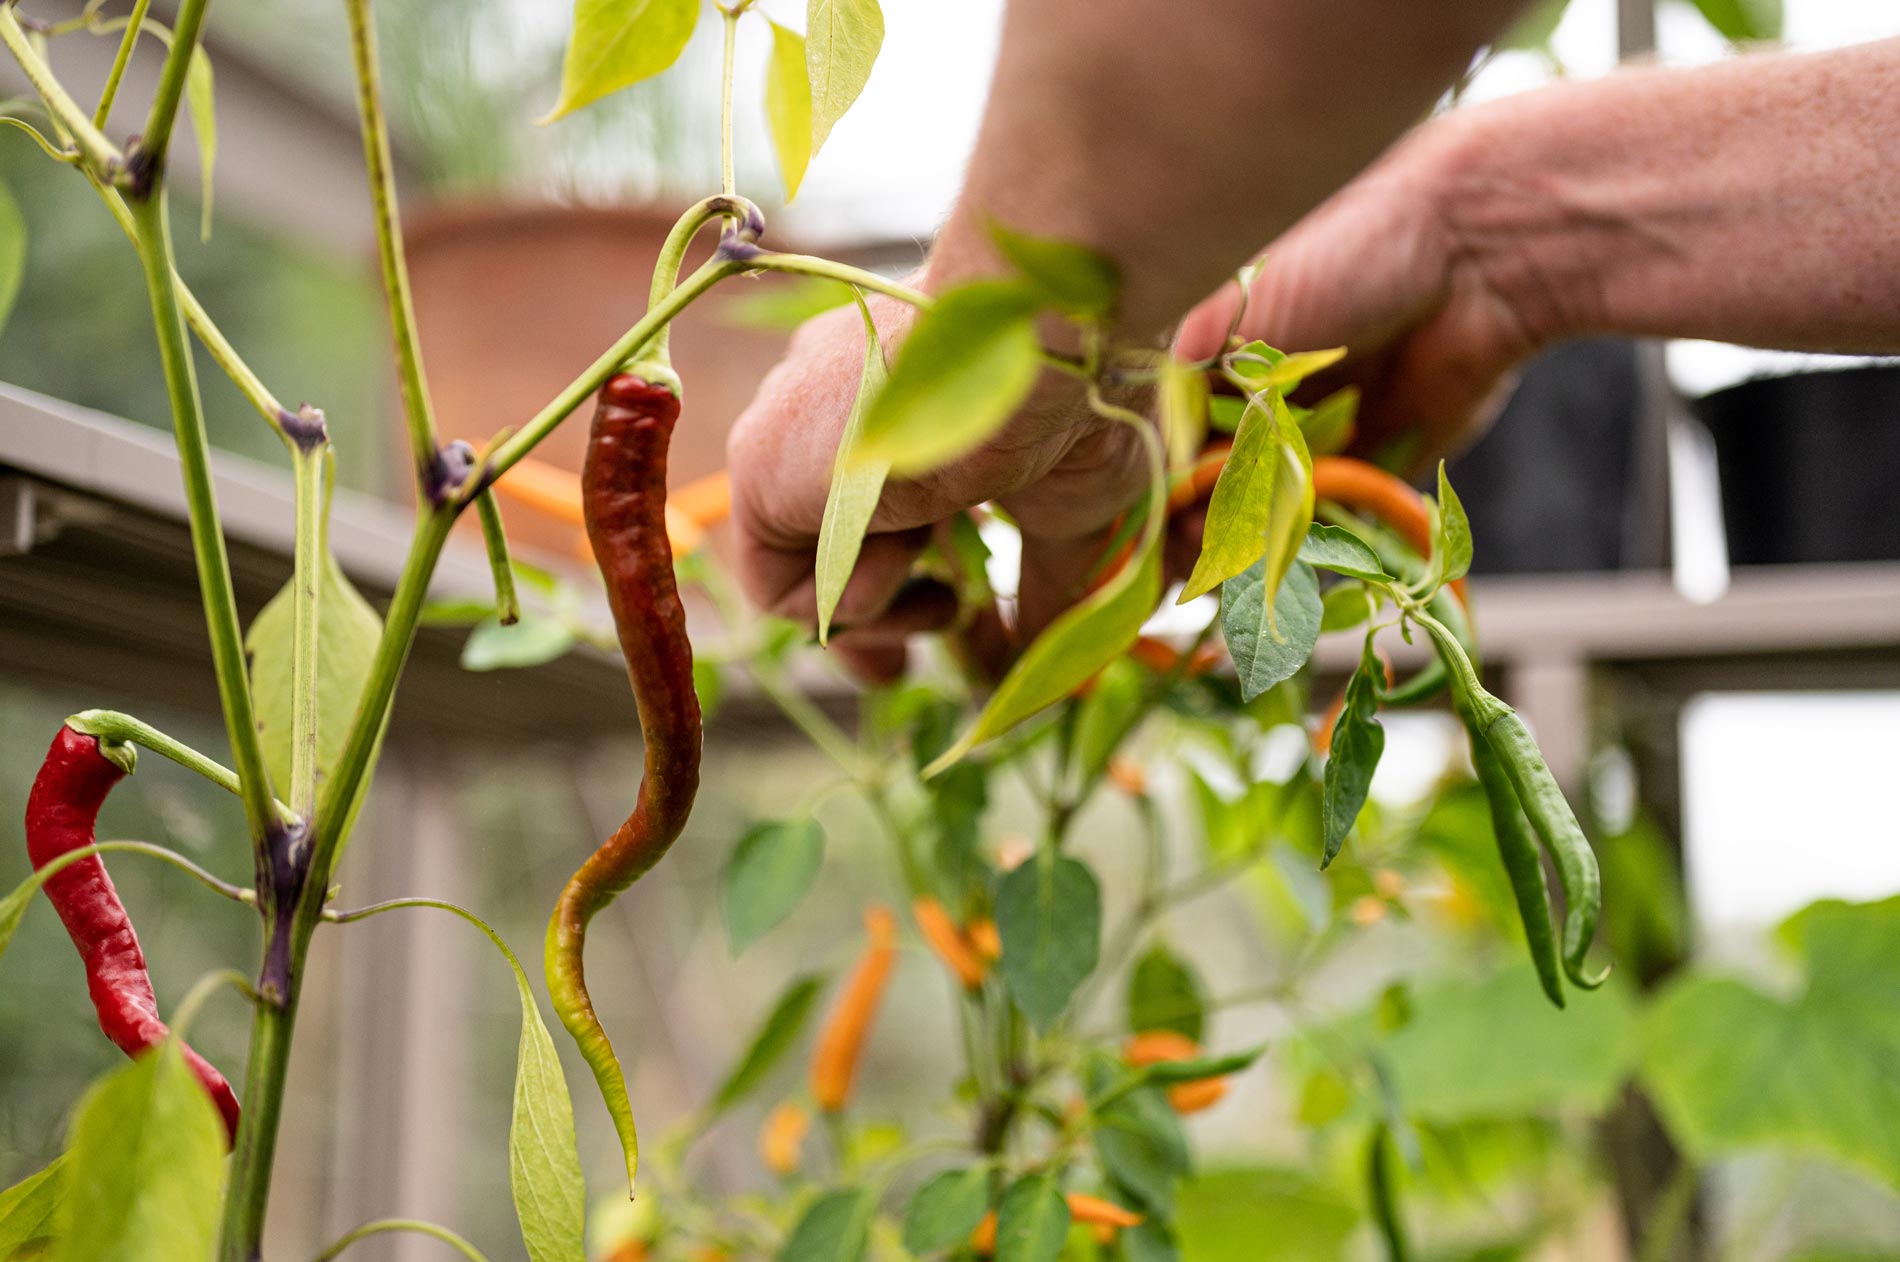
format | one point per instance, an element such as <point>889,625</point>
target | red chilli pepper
<point>623,496</point>
<point>60,813</point>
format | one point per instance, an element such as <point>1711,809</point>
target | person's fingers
<point>921,605</point>
<point>1204,332</point>
<point>875,663</point>
<point>782,582</point>
<point>1055,574</point>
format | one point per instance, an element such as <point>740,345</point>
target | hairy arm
<point>1173,135</point>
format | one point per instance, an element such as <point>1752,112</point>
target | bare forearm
<point>1178,135</point>
<point>1757,201</point>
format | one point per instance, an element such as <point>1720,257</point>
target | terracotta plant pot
<point>514,300</point>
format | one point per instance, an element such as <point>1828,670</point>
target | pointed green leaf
<point>946,1210</point>
<point>1167,1072</point>
<point>1451,548</point>
<point>1071,278</point>
<point>1286,371</point>
<point>617,43</point>
<point>1743,21</point>
<point>788,106</point>
<point>1341,551</point>
<point>1262,504</point>
<point>1329,426</point>
<point>1074,647</point>
<point>769,873</point>
<point>347,636</point>
<point>842,38</point>
<point>1358,741</point>
<point>145,1160</point>
<point>971,359</point>
<point>1165,993</point>
<point>1345,605</point>
<point>855,488</point>
<point>29,1210</point>
<point>1049,916</point>
<point>544,1165</point>
<point>1184,411</point>
<point>835,1228</point>
<point>201,107</point>
<point>1142,1147</point>
<point>783,302</point>
<point>530,641</point>
<point>1267,650</point>
<point>12,252</point>
<point>774,1038</point>
<point>1032,1222</point>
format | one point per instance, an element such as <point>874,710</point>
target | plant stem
<point>495,539</point>
<point>505,454</point>
<point>727,183</point>
<point>133,23</point>
<point>666,268</point>
<point>247,1190</point>
<point>155,140</point>
<point>307,463</point>
<point>47,871</point>
<point>99,154</point>
<point>447,1237</point>
<point>151,220</point>
<point>382,183</point>
<point>807,265</point>
<point>110,725</point>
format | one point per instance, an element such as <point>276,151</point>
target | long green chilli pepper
<point>1517,849</point>
<point>623,497</point>
<point>1383,1193</point>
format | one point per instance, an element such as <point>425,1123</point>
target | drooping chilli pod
<point>623,495</point>
<point>61,813</point>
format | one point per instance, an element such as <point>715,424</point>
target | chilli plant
<point>1068,1127</point>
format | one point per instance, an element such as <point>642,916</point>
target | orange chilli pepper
<point>983,1239</point>
<point>949,942</point>
<point>1152,1047</point>
<point>1093,1209</point>
<point>834,1066</point>
<point>782,1136</point>
<point>1126,774</point>
<point>988,942</point>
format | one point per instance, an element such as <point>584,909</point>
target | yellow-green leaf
<point>30,1208</point>
<point>12,251</point>
<point>1288,371</point>
<point>1261,505</point>
<point>544,1165</point>
<point>1073,648</point>
<point>1072,278</point>
<point>971,359</point>
<point>617,43</point>
<point>146,1158</point>
<point>1184,405</point>
<point>842,38</point>
<point>1329,426</point>
<point>347,635</point>
<point>855,488</point>
<point>788,106</point>
<point>204,125</point>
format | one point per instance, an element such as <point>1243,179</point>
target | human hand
<point>1421,290</point>
<point>1063,475</point>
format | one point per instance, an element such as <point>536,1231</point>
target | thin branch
<point>147,161</point>
<point>133,23</point>
<point>99,154</point>
<point>447,1237</point>
<point>110,725</point>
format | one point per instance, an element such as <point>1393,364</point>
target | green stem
<point>155,140</point>
<point>47,871</point>
<point>1671,1213</point>
<point>382,183</point>
<point>807,265</point>
<point>505,454</point>
<point>99,154</point>
<point>666,269</point>
<point>495,539</point>
<point>151,220</point>
<point>809,719</point>
<point>307,463</point>
<point>247,1192</point>
<point>123,729</point>
<point>447,1237</point>
<point>133,23</point>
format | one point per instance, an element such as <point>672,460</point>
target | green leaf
<point>1451,546</point>
<point>532,641</point>
<point>544,1165</point>
<point>29,1209</point>
<point>1073,648</point>
<point>788,106</point>
<point>1104,718</point>
<point>835,1228</point>
<point>617,43</point>
<point>1286,371</point>
<point>1533,29</point>
<point>1358,740</point>
<point>1032,1222</point>
<point>784,302</point>
<point>1165,993</point>
<point>1341,551</point>
<point>1194,1069</point>
<point>1743,21</point>
<point>970,360</point>
<point>1733,1069</point>
<point>1049,915</point>
<point>1140,1142</point>
<point>769,873</point>
<point>842,38</point>
<point>773,1039</point>
<point>946,1210</point>
<point>200,106</point>
<point>855,488</point>
<point>1184,407</point>
<point>1346,605</point>
<point>347,635</point>
<point>1070,278</point>
<point>1329,426</point>
<point>1261,505</point>
<point>12,252</point>
<point>1269,648</point>
<point>1492,1049</point>
<point>146,1157</point>
<point>1225,412</point>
